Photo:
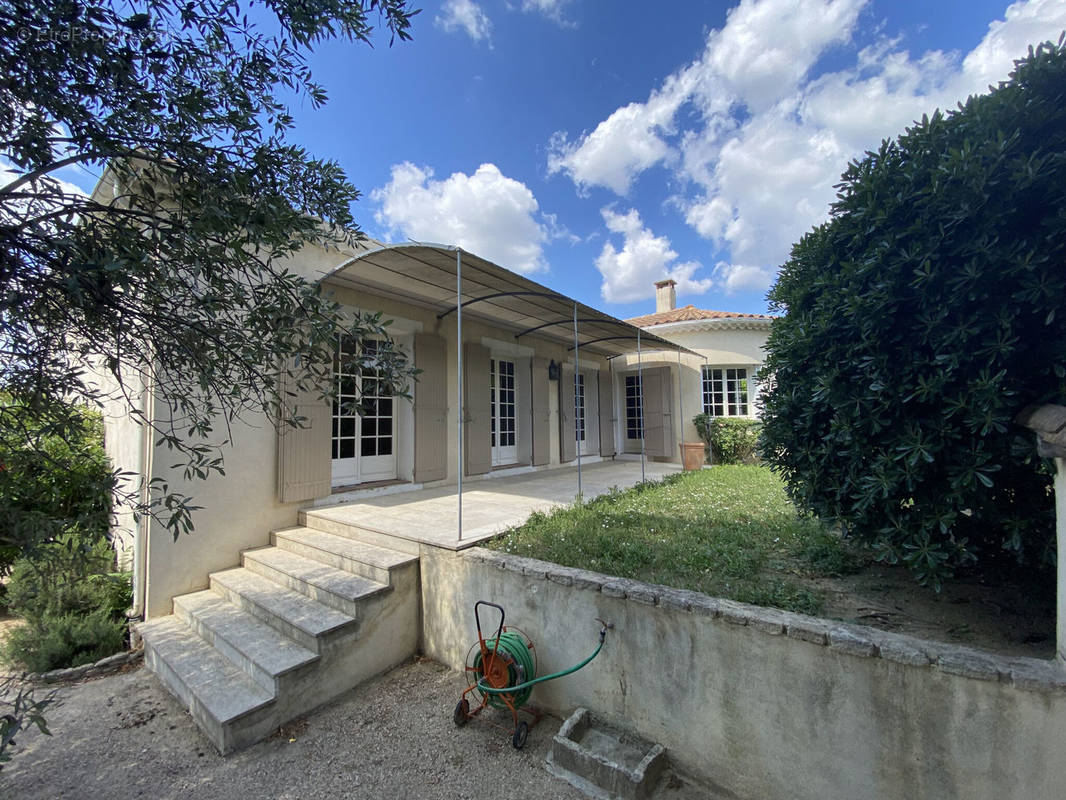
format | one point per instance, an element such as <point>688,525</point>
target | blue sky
<point>600,145</point>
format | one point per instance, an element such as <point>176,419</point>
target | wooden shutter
<point>607,418</point>
<point>477,445</point>
<point>541,412</point>
<point>304,469</point>
<point>431,408</point>
<point>567,441</point>
<point>658,412</point>
<point>524,422</point>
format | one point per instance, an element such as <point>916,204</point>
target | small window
<point>725,391</point>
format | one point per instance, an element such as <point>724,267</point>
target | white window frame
<point>359,468</point>
<point>503,454</point>
<point>725,391</point>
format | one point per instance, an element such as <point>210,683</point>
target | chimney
<point>665,296</point>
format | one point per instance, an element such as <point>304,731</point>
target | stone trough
<point>603,761</point>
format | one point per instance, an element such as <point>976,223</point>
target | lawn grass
<point>728,532</point>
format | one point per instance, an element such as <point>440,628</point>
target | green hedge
<point>918,322</point>
<point>54,478</point>
<point>730,440</point>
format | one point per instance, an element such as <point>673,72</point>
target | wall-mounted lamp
<point>555,370</point>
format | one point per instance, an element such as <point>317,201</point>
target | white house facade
<point>540,378</point>
<point>717,375</point>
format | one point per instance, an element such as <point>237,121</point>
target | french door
<point>364,446</point>
<point>503,417</point>
<point>634,409</point>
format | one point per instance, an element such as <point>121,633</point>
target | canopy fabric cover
<point>425,275</point>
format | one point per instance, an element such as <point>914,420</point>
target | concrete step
<point>332,587</point>
<point>351,555</point>
<point>230,708</point>
<point>303,620</point>
<point>330,520</point>
<point>269,657</point>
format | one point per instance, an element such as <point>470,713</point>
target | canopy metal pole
<point>680,405</point>
<point>459,364</point>
<point>577,370</point>
<point>640,390</point>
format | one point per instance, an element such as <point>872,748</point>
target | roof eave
<point>719,323</point>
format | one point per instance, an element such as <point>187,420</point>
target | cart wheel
<point>521,733</point>
<point>462,713</point>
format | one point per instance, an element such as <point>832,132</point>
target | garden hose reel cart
<point>503,669</point>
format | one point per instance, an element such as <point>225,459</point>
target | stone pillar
<point>1049,424</point>
<point>1060,532</point>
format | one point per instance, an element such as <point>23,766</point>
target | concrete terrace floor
<point>490,505</point>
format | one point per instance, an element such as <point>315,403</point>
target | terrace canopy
<point>459,284</point>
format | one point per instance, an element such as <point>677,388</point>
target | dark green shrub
<point>55,509</point>
<point>73,604</point>
<point>730,440</point>
<point>919,321</point>
<point>74,574</point>
<point>67,640</point>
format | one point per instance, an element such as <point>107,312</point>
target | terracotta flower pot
<point>692,455</point>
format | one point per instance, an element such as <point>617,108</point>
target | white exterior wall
<point>713,340</point>
<point>127,447</point>
<point>241,508</point>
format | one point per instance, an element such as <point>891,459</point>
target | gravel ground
<point>124,736</point>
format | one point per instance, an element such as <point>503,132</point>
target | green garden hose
<point>513,645</point>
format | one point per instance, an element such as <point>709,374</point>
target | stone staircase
<point>323,608</point>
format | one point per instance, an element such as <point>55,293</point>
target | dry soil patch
<point>1006,618</point>
<point>124,736</point>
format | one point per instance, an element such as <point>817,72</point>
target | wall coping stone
<point>104,666</point>
<point>858,641</point>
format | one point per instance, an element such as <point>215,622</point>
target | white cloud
<point>486,213</point>
<point>465,15</point>
<point>625,144</point>
<point>758,156</point>
<point>767,47</point>
<point>739,278</point>
<point>772,180</point>
<point>764,49</point>
<point>630,273</point>
<point>1007,40</point>
<point>9,173</point>
<point>552,9</point>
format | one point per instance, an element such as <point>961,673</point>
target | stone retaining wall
<point>764,703</point>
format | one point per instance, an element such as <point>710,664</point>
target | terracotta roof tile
<point>687,314</point>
